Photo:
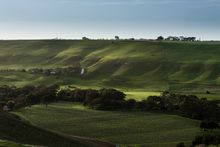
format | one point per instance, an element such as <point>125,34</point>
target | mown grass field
<point>16,130</point>
<point>133,66</point>
<point>127,128</point>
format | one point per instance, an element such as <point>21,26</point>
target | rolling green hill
<point>139,68</point>
<point>129,128</point>
<point>129,65</point>
<point>14,129</point>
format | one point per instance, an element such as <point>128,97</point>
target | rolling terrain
<point>14,129</point>
<point>129,65</point>
<point>138,68</point>
<point>127,128</point>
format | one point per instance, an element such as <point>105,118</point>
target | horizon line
<point>107,39</point>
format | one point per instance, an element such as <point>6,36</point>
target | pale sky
<point>73,19</point>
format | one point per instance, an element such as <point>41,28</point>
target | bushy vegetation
<point>207,138</point>
<point>187,105</point>
<point>103,99</point>
<point>67,71</point>
<point>111,99</point>
<point>210,135</point>
<point>15,97</point>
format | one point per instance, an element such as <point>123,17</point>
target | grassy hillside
<point>4,143</point>
<point>131,128</point>
<point>14,129</point>
<point>152,66</point>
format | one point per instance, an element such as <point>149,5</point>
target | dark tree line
<point>111,99</point>
<point>67,71</point>
<point>175,38</point>
<point>186,105</point>
<point>15,97</point>
<point>208,137</point>
<point>103,99</point>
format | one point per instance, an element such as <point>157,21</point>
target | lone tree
<point>117,38</point>
<point>85,38</point>
<point>160,38</point>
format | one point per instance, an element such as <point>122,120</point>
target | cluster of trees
<point>15,97</point>
<point>175,38</point>
<point>111,99</point>
<point>207,138</point>
<point>103,99</point>
<point>160,38</point>
<point>187,105</point>
<point>68,71</point>
<point>210,134</point>
<point>115,38</point>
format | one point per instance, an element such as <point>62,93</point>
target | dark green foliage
<point>130,104</point>
<point>103,99</point>
<point>209,125</point>
<point>111,99</point>
<point>108,99</point>
<point>11,104</point>
<point>15,97</point>
<point>186,105</point>
<point>160,38</point>
<point>207,138</point>
<point>208,92</point>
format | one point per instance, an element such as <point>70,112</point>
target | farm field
<point>20,79</point>
<point>109,73</point>
<point>16,130</point>
<point>134,67</point>
<point>138,68</point>
<point>127,128</point>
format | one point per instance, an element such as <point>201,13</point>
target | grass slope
<point>4,143</point>
<point>12,128</point>
<point>128,128</point>
<point>123,64</point>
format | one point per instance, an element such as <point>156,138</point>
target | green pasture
<point>128,65</point>
<point>127,128</point>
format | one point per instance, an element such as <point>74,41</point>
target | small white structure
<point>82,71</point>
<point>5,108</point>
<point>53,72</point>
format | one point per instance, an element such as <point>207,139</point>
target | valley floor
<point>127,128</point>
